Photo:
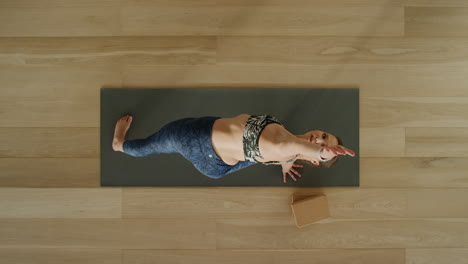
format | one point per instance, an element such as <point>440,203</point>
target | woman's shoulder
<point>238,120</point>
<point>242,116</point>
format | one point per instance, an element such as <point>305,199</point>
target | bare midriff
<point>227,139</point>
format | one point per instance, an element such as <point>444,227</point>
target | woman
<point>218,146</point>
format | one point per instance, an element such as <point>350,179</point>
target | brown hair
<point>323,164</point>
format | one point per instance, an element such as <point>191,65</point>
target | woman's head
<point>323,139</point>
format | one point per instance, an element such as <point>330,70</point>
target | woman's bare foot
<point>121,129</point>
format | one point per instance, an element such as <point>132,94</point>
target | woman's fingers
<point>337,150</point>
<point>297,173</point>
<point>340,150</point>
<point>292,176</point>
<point>347,151</point>
<point>291,171</point>
<point>350,152</point>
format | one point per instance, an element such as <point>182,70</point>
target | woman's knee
<point>215,176</point>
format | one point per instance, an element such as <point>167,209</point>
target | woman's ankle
<point>117,145</point>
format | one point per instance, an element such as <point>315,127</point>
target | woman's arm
<point>290,145</point>
<point>307,150</point>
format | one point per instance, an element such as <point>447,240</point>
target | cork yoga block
<point>308,209</point>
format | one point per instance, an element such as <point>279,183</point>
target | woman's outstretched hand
<point>288,169</point>
<point>331,152</point>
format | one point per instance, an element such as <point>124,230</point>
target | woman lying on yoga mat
<point>218,146</point>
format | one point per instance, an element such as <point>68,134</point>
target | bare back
<point>227,139</point>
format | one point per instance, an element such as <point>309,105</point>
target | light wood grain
<point>61,3</point>
<point>431,112</point>
<point>280,233</point>
<point>45,22</point>
<point>49,142</point>
<point>282,19</point>
<point>342,50</point>
<point>60,256</point>
<point>60,203</point>
<point>373,80</point>
<point>73,51</point>
<point>382,142</point>
<point>50,172</point>
<point>437,255</point>
<point>296,3</point>
<point>346,203</point>
<point>169,50</point>
<point>313,256</point>
<point>436,142</point>
<point>108,233</point>
<point>414,172</point>
<point>437,203</point>
<point>436,21</point>
<point>53,96</point>
<point>170,21</point>
<point>214,202</point>
<point>436,3</point>
<point>225,203</point>
<point>310,20</point>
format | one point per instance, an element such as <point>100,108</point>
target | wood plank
<point>259,202</point>
<point>282,19</point>
<point>374,80</point>
<point>61,3</point>
<point>362,256</point>
<point>50,172</point>
<point>108,233</point>
<point>413,112</point>
<point>78,51</point>
<point>60,203</point>
<point>170,21</point>
<point>60,22</point>
<point>213,202</point>
<point>309,20</point>
<point>436,142</point>
<point>60,256</point>
<point>341,50</point>
<point>265,202</point>
<point>281,233</point>
<point>49,142</point>
<point>436,3</point>
<point>53,96</point>
<point>382,142</point>
<point>177,50</point>
<point>436,21</point>
<point>414,172</point>
<point>229,3</point>
<point>438,203</point>
<point>436,255</point>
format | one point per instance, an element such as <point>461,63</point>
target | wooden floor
<point>408,57</point>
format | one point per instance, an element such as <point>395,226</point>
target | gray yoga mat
<point>301,110</point>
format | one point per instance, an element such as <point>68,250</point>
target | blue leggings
<point>190,137</point>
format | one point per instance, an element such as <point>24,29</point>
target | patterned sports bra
<point>253,128</point>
